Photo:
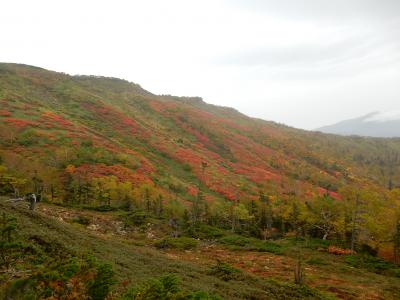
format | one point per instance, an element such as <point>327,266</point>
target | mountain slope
<point>196,181</point>
<point>375,124</point>
<point>83,127</point>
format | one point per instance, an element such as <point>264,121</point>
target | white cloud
<point>301,62</point>
<point>384,116</point>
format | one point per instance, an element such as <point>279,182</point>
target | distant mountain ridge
<point>375,124</point>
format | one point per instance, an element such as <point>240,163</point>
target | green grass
<point>136,265</point>
<point>225,272</point>
<point>373,264</point>
<point>317,261</point>
<point>182,243</point>
<point>237,242</point>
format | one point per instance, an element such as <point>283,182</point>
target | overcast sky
<point>305,63</point>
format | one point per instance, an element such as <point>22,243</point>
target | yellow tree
<point>325,214</point>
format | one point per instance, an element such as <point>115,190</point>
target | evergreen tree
<point>8,245</point>
<point>396,243</point>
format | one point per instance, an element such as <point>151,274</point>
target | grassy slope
<point>134,264</point>
<point>137,264</point>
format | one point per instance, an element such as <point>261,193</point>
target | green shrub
<point>394,272</point>
<point>135,218</point>
<point>316,244</point>
<point>236,242</point>
<point>373,264</point>
<point>71,268</point>
<point>81,220</point>
<point>100,286</point>
<point>224,271</point>
<point>183,243</point>
<point>187,167</point>
<point>28,138</point>
<point>104,208</point>
<point>266,246</point>
<point>165,288</point>
<point>9,246</point>
<point>317,261</point>
<point>207,232</point>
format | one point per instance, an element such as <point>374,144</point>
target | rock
<point>93,227</point>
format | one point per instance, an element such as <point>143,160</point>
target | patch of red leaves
<point>321,192</point>
<point>5,113</point>
<point>255,174</point>
<point>188,156</point>
<point>159,106</point>
<point>122,173</point>
<point>192,190</point>
<point>19,123</point>
<point>116,119</point>
<point>51,119</point>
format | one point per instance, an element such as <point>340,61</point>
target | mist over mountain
<point>375,124</point>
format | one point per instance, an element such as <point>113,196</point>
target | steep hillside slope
<point>89,127</point>
<point>181,175</point>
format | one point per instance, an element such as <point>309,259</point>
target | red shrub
<point>4,113</point>
<point>338,251</point>
<point>19,123</point>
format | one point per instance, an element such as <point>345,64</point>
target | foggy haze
<point>305,63</point>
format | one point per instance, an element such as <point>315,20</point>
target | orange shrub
<point>338,251</point>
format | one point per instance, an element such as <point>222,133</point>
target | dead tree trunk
<point>32,202</point>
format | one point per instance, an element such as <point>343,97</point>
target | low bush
<point>165,288</point>
<point>100,286</point>
<point>266,246</point>
<point>373,264</point>
<point>339,251</point>
<point>236,242</point>
<point>57,279</point>
<point>207,232</point>
<point>81,220</point>
<point>101,208</point>
<point>317,261</point>
<point>182,243</point>
<point>224,271</point>
<point>104,208</point>
<point>135,218</point>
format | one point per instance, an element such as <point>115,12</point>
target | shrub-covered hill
<point>193,169</point>
<point>90,127</point>
<point>104,141</point>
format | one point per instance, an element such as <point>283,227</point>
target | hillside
<point>110,126</point>
<point>384,125</point>
<point>107,156</point>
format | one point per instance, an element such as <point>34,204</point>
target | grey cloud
<point>326,9</point>
<point>353,53</point>
<point>305,54</point>
<point>376,48</point>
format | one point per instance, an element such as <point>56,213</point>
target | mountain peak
<point>375,124</point>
